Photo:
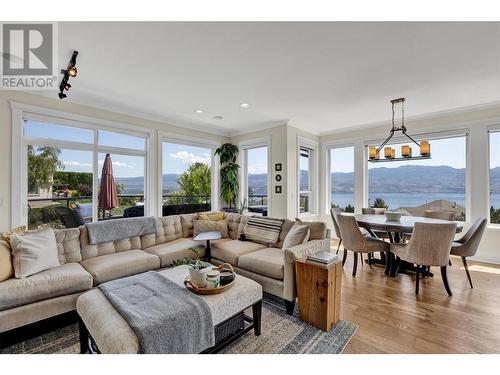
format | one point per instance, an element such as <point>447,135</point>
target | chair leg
<point>344,258</point>
<point>394,264</point>
<point>449,262</point>
<point>361,256</point>
<point>355,266</point>
<point>445,280</point>
<point>417,279</point>
<point>467,271</point>
<point>338,246</point>
<point>370,259</point>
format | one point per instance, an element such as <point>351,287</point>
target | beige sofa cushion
<point>187,224</point>
<point>6,268</point>
<point>174,250</point>
<point>66,279</point>
<point>113,266</point>
<point>298,234</point>
<point>243,221</point>
<point>34,252</point>
<point>318,230</point>
<point>287,225</point>
<point>215,216</point>
<point>90,251</point>
<point>268,262</point>
<point>68,245</point>
<point>233,224</point>
<point>229,251</point>
<point>201,226</point>
<point>168,228</point>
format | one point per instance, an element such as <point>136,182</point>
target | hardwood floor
<point>392,319</point>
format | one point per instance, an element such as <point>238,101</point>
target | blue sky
<point>177,158</point>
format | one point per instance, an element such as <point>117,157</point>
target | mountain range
<point>406,178</point>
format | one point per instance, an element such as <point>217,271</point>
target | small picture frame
<point>277,167</point>
<point>278,177</point>
<point>277,189</point>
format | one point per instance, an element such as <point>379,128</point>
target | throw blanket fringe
<point>119,229</point>
<point>166,318</point>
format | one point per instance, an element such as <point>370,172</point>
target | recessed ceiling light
<point>218,117</point>
<point>245,105</point>
<point>198,111</point>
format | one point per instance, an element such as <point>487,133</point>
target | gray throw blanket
<point>165,317</point>
<point>119,229</point>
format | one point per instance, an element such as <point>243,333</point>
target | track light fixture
<point>68,73</point>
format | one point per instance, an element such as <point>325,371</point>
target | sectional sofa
<point>83,266</point>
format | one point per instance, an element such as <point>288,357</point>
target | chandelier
<point>406,150</point>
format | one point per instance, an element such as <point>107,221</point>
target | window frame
<point>490,129</point>
<point>312,146</point>
<point>445,134</point>
<point>243,147</point>
<point>166,137</point>
<point>22,112</point>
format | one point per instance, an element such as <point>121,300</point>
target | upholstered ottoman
<point>104,330</point>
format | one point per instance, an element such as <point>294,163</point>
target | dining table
<point>395,230</point>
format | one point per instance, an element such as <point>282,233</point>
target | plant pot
<point>199,276</point>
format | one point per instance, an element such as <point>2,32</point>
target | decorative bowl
<point>393,216</point>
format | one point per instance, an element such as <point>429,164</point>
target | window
<point>186,177</point>
<point>61,179</point>
<point>342,178</point>
<point>495,177</point>
<point>256,176</point>
<point>305,183</point>
<point>415,186</point>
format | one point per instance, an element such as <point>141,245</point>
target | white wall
<point>475,122</point>
<point>54,104</point>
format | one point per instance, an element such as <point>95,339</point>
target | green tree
<point>494,215</point>
<point>43,163</point>
<point>379,203</point>
<point>194,182</point>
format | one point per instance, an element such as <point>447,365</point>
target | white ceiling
<point>319,77</point>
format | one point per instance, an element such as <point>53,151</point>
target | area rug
<point>281,333</point>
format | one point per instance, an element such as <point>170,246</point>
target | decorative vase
<point>199,275</point>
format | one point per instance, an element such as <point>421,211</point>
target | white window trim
<point>328,185</point>
<point>196,142</point>
<point>303,142</point>
<point>494,128</point>
<point>245,145</point>
<point>21,111</point>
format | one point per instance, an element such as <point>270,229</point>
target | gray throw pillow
<point>34,252</point>
<point>201,226</point>
<point>298,234</point>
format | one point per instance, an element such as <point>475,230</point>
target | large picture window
<point>418,185</point>
<point>305,180</point>
<point>495,177</point>
<point>256,170</point>
<point>64,165</point>
<point>342,178</point>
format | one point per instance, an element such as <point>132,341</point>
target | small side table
<point>208,236</point>
<point>318,290</point>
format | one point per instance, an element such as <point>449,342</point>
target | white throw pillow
<point>298,234</point>
<point>34,252</point>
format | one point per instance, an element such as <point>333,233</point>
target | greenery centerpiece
<point>197,268</point>
<point>229,185</point>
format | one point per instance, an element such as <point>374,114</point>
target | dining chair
<point>354,240</point>
<point>429,245</point>
<point>334,211</point>
<point>467,245</point>
<point>439,214</point>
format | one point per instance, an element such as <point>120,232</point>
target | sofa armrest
<point>294,253</point>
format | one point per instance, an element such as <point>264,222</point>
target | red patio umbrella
<point>107,193</point>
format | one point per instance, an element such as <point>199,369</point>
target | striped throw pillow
<point>264,230</point>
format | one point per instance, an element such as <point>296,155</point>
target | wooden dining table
<point>395,230</point>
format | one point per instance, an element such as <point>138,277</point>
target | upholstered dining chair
<point>376,211</point>
<point>467,245</point>
<point>429,245</point>
<point>334,211</point>
<point>439,214</point>
<point>354,240</point>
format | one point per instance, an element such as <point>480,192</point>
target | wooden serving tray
<point>210,291</point>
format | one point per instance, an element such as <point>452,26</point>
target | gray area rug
<point>281,333</point>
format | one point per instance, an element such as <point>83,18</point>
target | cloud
<point>190,158</point>
<point>118,164</point>
<point>257,169</point>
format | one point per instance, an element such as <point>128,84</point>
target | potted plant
<point>229,185</point>
<point>198,269</point>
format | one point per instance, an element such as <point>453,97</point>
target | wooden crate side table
<point>318,290</point>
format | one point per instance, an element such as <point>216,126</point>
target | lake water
<point>396,200</point>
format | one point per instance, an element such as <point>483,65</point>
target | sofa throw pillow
<point>216,216</point>
<point>6,266</point>
<point>34,252</point>
<point>201,226</point>
<point>298,234</point>
<point>263,230</point>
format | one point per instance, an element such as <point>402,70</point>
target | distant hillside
<point>406,178</point>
